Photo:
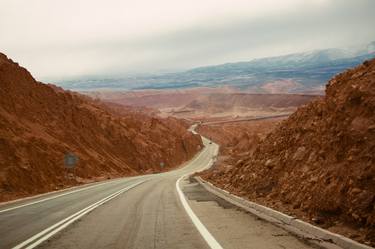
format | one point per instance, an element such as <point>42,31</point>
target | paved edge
<point>207,236</point>
<point>316,235</point>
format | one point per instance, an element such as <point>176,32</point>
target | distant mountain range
<point>300,72</point>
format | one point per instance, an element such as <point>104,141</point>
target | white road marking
<point>37,239</point>
<point>211,241</point>
<point>53,197</point>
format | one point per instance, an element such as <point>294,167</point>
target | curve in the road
<point>211,241</point>
<point>60,204</point>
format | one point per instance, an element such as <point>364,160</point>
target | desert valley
<point>200,124</point>
<point>292,152</point>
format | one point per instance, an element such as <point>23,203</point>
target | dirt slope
<point>40,123</point>
<point>319,164</point>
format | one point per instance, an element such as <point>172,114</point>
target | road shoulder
<point>314,234</point>
<point>234,227</point>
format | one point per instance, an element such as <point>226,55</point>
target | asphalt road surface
<point>163,210</point>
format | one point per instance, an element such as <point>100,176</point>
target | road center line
<point>54,197</point>
<point>37,239</point>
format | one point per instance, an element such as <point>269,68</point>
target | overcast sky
<point>70,38</point>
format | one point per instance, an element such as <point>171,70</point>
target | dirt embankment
<point>319,164</point>
<point>40,123</point>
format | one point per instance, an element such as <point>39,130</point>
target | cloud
<point>121,37</point>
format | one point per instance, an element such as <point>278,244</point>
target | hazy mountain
<point>307,71</point>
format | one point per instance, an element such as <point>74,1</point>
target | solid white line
<point>207,236</point>
<point>54,197</point>
<point>52,230</point>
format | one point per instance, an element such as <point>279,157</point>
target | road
<point>149,211</point>
<point>245,119</point>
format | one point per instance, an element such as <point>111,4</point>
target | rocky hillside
<point>40,123</point>
<point>319,164</point>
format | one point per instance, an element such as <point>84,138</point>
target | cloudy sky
<point>72,38</point>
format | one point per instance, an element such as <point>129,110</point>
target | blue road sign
<point>70,160</point>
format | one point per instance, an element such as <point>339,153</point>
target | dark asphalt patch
<point>195,191</point>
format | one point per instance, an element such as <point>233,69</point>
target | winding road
<point>165,210</point>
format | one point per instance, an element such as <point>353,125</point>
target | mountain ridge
<point>310,70</point>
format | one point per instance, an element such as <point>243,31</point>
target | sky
<point>66,39</point>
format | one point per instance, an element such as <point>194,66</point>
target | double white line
<point>55,196</point>
<point>39,238</point>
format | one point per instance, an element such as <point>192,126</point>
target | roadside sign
<point>70,160</point>
<point>162,165</point>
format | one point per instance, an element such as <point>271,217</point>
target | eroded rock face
<point>39,123</point>
<point>325,154</point>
